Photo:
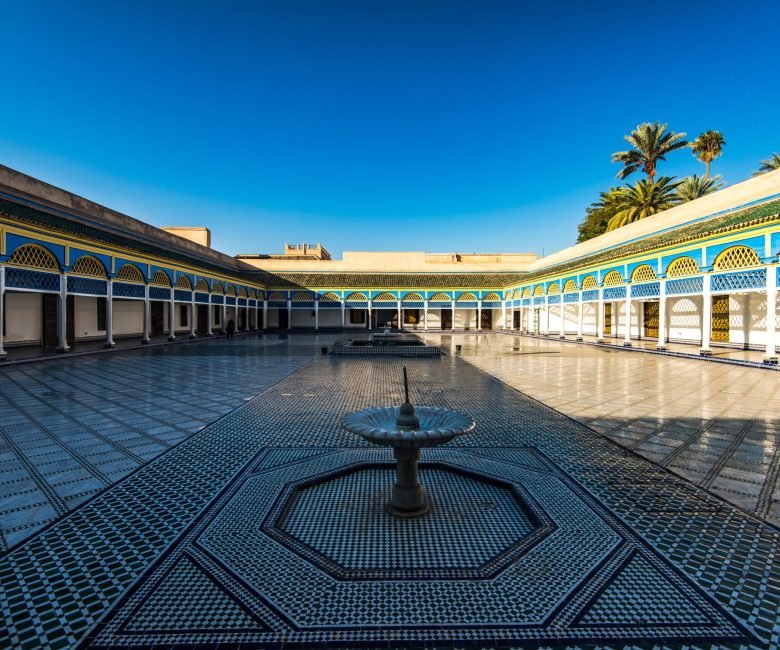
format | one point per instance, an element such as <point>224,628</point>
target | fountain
<point>407,429</point>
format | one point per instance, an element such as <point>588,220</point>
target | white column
<point>627,337</point>
<point>706,316</point>
<point>545,329</point>
<point>147,316</point>
<point>289,314</point>
<point>2,307</point>
<point>193,312</point>
<point>209,317</point>
<point>62,315</point>
<point>530,328</point>
<point>661,346</point>
<point>223,315</point>
<point>770,356</point>
<point>265,314</point>
<point>453,316</point>
<point>316,313</point>
<point>368,320</point>
<point>580,314</point>
<point>479,315</point>
<point>171,315</point>
<point>600,318</point>
<point>343,314</point>
<point>425,315</point>
<point>110,313</point>
<point>400,317</point>
<point>503,315</point>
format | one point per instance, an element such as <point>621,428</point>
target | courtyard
<point>206,494</point>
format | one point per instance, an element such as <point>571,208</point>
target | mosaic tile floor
<point>716,425</point>
<point>71,428</point>
<point>238,534</point>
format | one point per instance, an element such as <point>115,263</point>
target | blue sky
<point>398,125</point>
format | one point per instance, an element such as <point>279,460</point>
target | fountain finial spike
<point>406,416</point>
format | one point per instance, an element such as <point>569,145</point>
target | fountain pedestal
<point>408,498</point>
<point>407,430</point>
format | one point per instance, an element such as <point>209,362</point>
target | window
<point>183,311</point>
<point>101,313</point>
<point>357,316</point>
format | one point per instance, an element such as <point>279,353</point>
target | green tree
<point>693,187</point>
<point>643,200</point>
<point>707,147</point>
<point>598,214</point>
<point>650,144</point>
<point>768,165</point>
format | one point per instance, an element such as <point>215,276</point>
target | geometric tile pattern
<point>71,428</point>
<point>588,581</point>
<point>59,584</point>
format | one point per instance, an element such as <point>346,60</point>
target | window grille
<point>90,266</point>
<point>34,256</point>
<point>302,296</point>
<point>589,283</point>
<point>231,291</point>
<point>160,279</point>
<point>570,286</point>
<point>385,297</point>
<point>440,297</point>
<point>644,273</point>
<point>202,285</point>
<point>613,279</point>
<point>682,266</point>
<point>330,297</point>
<point>412,297</point>
<point>526,293</point>
<point>130,273</point>
<point>553,289</point>
<point>184,283</point>
<point>736,257</point>
<point>467,297</point>
<point>491,297</point>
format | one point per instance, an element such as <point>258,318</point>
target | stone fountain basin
<point>437,426</point>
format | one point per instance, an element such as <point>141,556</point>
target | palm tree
<point>650,144</point>
<point>643,200</point>
<point>598,214</point>
<point>768,165</point>
<point>707,147</point>
<point>693,187</point>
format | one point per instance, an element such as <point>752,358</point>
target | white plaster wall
<point>570,315</point>
<point>465,318</point>
<point>272,317</point>
<point>747,319</point>
<point>589,318</point>
<point>85,317</point>
<point>554,319</point>
<point>330,318</point>
<point>23,317</point>
<point>303,318</point>
<point>684,318</point>
<point>619,311</point>
<point>498,323</point>
<point>434,319</point>
<point>128,317</point>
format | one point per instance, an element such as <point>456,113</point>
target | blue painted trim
<point>14,241</point>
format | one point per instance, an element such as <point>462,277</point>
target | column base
<point>3,355</point>
<point>628,344</point>
<point>64,348</point>
<point>408,502</point>
<point>145,341</point>
<point>660,348</point>
<point>192,336</point>
<point>171,338</point>
<point>601,340</point>
<point>109,344</point>
<point>705,352</point>
<point>561,336</point>
<point>769,360</point>
<point>579,338</point>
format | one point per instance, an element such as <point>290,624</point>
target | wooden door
<point>70,320</point>
<point>203,319</point>
<point>607,318</point>
<point>284,319</point>
<point>446,319</point>
<point>157,310</point>
<point>720,319</point>
<point>487,319</point>
<point>652,311</point>
<point>49,319</point>
<point>516,320</point>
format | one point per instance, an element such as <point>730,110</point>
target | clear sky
<point>398,125</point>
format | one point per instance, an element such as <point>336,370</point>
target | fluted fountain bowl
<point>437,426</point>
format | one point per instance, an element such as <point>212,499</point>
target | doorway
<point>49,303</point>
<point>203,320</point>
<point>607,318</point>
<point>720,319</point>
<point>651,314</point>
<point>157,311</point>
<point>446,319</point>
<point>487,319</point>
